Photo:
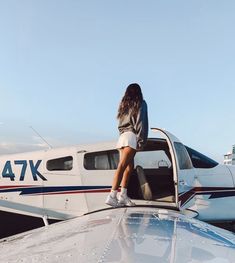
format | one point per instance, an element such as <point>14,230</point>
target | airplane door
<point>183,171</point>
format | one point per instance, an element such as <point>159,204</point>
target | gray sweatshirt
<point>138,125</point>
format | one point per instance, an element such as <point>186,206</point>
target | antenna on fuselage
<point>41,137</point>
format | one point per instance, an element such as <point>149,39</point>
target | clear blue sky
<point>64,66</point>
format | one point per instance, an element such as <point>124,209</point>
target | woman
<point>133,129</point>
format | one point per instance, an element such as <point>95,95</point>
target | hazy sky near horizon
<point>64,67</point>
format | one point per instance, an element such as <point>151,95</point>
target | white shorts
<point>127,139</point>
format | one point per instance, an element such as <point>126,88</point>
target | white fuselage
<point>67,182</point>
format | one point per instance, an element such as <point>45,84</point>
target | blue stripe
<point>52,189</point>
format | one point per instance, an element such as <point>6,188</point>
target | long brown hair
<point>131,101</point>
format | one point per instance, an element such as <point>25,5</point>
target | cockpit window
<point>183,157</point>
<point>199,160</point>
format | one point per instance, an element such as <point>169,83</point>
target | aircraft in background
<point>133,234</point>
<point>64,183</point>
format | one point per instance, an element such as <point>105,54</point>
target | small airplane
<point>64,183</point>
<point>125,234</point>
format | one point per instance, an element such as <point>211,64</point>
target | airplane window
<point>60,164</point>
<point>105,160</point>
<point>114,159</point>
<point>199,160</point>
<point>183,156</point>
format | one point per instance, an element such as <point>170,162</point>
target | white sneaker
<point>112,201</point>
<point>125,201</point>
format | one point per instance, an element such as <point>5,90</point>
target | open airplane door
<point>183,171</point>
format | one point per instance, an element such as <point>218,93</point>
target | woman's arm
<point>141,126</point>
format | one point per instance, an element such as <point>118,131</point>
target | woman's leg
<point>124,168</point>
<point>123,198</point>
<point>126,157</point>
<point>127,173</point>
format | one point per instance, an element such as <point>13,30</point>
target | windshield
<point>199,160</point>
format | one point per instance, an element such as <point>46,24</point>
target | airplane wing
<point>134,234</point>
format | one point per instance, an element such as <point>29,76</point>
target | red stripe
<point>187,196</point>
